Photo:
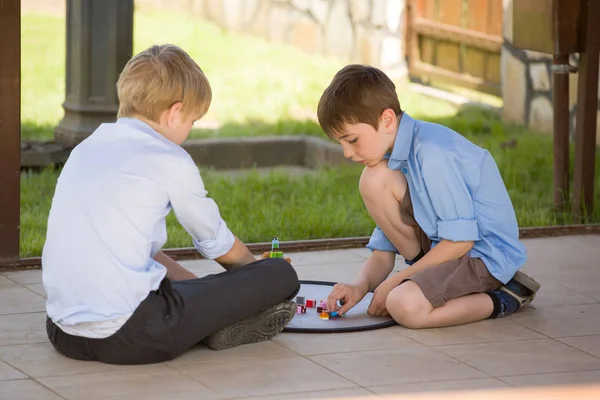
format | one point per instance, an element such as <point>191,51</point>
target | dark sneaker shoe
<point>255,329</point>
<point>522,287</point>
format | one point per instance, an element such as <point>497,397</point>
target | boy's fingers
<point>345,308</point>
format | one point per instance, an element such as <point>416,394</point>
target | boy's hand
<point>349,294</point>
<point>377,306</point>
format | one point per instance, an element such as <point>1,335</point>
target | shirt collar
<point>404,138</point>
<point>141,126</point>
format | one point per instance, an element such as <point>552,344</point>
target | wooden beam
<point>587,109</point>
<point>10,128</point>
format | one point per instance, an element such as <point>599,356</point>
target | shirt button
<point>405,170</point>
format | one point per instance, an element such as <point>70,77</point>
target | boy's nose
<point>348,151</point>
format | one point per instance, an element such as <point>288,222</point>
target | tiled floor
<point>556,341</point>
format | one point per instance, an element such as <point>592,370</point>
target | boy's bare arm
<point>443,252</point>
<point>237,256</point>
<point>375,270</point>
<point>175,271</point>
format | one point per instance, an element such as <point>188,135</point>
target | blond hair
<point>356,94</point>
<point>158,77</point>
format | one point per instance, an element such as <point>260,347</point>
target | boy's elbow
<point>469,245</point>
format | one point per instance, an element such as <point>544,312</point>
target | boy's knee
<point>283,274</point>
<point>373,179</point>
<point>379,179</point>
<point>408,306</point>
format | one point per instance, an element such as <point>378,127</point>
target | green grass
<point>326,203</point>
<point>259,88</point>
<point>268,89</point>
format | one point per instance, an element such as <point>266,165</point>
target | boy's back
<point>112,295</point>
<point>454,179</point>
<point>107,220</point>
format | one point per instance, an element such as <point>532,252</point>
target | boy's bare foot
<point>259,328</point>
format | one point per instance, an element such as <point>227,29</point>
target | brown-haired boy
<point>437,199</point>
<point>113,296</point>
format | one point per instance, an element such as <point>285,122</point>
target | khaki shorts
<point>451,279</point>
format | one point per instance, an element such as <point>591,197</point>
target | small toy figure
<point>324,315</point>
<point>275,252</point>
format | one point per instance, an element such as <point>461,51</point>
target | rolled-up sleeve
<point>198,214</point>
<point>378,241</point>
<point>445,175</point>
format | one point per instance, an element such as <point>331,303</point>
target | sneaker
<point>255,329</point>
<point>522,287</point>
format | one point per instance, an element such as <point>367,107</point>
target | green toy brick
<point>276,254</point>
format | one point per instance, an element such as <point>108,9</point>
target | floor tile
<point>561,378</point>
<point>589,344</point>
<point>555,292</point>
<point>324,343</point>
<point>362,252</point>
<point>591,241</point>
<point>17,299</point>
<point>26,389</point>
<point>25,277</point>
<point>522,357</point>
<point>322,257</point>
<point>202,354</point>
<point>160,381</point>
<point>8,373</point>
<point>497,330</point>
<point>346,394</point>
<point>587,283</point>
<point>42,360</point>
<point>23,329</point>
<point>5,282</point>
<point>265,377</point>
<point>37,288</point>
<point>441,386</point>
<point>560,321</point>
<point>338,272</point>
<point>387,367</point>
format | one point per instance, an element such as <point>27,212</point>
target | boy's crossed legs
<point>451,293</point>
<point>241,305</point>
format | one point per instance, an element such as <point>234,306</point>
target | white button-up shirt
<point>107,221</point>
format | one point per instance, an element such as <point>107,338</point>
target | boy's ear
<point>173,111</point>
<point>388,120</point>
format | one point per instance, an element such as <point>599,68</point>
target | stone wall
<point>364,31</point>
<point>527,85</point>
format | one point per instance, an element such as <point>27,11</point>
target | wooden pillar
<point>587,109</point>
<point>10,128</point>
<point>99,44</point>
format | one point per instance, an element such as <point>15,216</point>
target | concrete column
<point>99,44</point>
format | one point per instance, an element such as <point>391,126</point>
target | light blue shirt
<point>457,194</point>
<point>107,221</point>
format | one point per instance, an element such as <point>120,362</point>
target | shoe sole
<point>528,282</point>
<point>259,328</point>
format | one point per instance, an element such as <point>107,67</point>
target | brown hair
<point>357,94</point>
<point>158,77</point>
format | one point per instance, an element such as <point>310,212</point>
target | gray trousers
<point>180,314</point>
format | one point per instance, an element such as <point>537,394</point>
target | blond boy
<point>113,295</point>
<point>437,199</point>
